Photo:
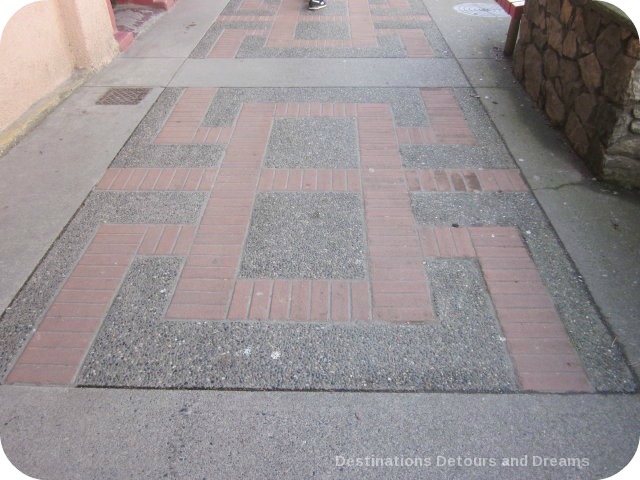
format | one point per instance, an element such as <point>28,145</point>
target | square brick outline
<point>217,248</point>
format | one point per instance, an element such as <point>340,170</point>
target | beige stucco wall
<point>43,44</point>
<point>90,31</point>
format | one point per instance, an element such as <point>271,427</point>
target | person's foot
<point>317,4</point>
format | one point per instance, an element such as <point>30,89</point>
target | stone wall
<point>579,60</point>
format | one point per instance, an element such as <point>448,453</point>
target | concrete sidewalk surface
<point>268,242</point>
<point>88,433</point>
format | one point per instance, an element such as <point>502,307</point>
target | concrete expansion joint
<point>582,183</point>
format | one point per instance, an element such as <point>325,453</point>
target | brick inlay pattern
<point>309,180</point>
<point>399,285</point>
<point>541,351</point>
<point>447,118</point>
<point>283,30</point>
<point>158,179</point>
<point>228,44</point>
<point>397,288</point>
<point>183,124</point>
<point>57,349</point>
<point>447,122</point>
<point>455,180</point>
<point>294,110</point>
<point>279,30</point>
<point>413,39</point>
<point>446,242</point>
<point>277,300</point>
<point>543,356</point>
<point>217,248</point>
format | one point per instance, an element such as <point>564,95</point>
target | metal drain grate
<point>480,9</point>
<point>123,96</point>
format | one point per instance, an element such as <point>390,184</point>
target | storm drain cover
<point>123,96</point>
<point>481,9</point>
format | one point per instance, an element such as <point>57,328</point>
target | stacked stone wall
<point>579,60</point>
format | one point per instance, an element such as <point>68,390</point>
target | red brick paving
<point>280,29</point>
<point>217,246</point>
<point>461,180</point>
<point>309,180</point>
<point>446,116</point>
<point>542,354</point>
<point>185,119</point>
<point>394,246</point>
<point>447,122</point>
<point>158,179</point>
<point>228,44</point>
<point>279,300</point>
<point>396,288</point>
<point>57,349</point>
<point>75,315</point>
<point>413,39</point>
<point>541,351</point>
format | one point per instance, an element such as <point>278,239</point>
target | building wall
<point>44,43</point>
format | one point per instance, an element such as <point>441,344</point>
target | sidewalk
<point>356,210</point>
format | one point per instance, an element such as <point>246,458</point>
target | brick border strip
<point>184,122</point>
<point>273,299</point>
<point>543,356</point>
<point>399,285</point>
<point>57,349</point>
<point>218,243</point>
<point>309,180</point>
<point>465,180</point>
<point>157,179</point>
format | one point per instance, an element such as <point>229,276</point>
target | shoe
<point>317,4</point>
